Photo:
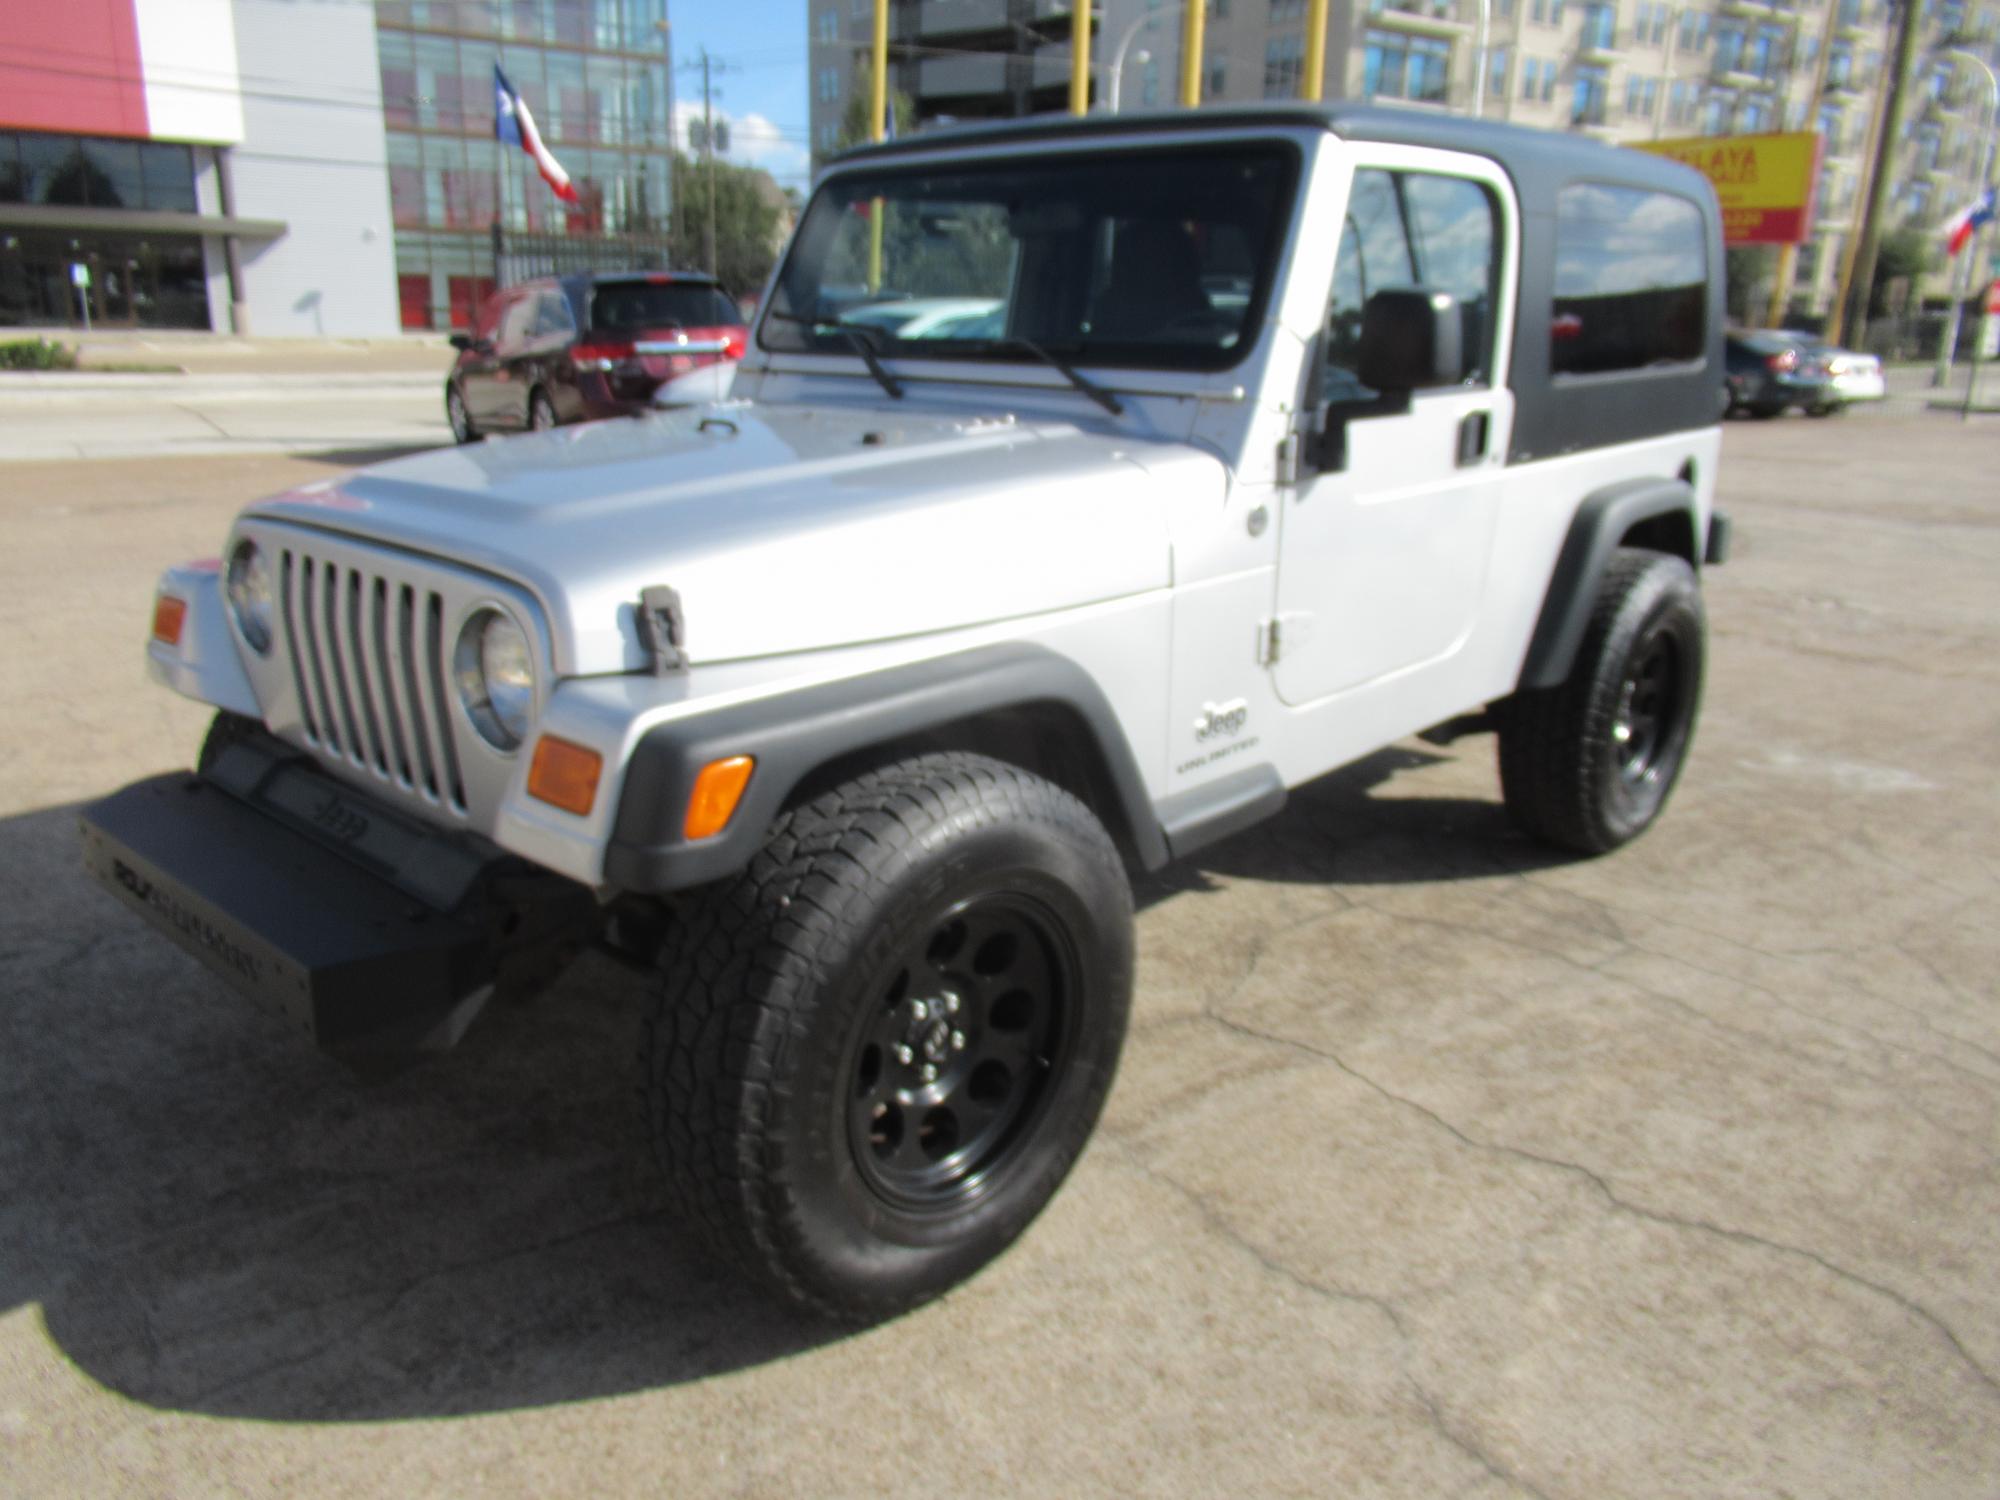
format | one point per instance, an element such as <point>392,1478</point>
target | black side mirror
<point>460,341</point>
<point>1412,338</point>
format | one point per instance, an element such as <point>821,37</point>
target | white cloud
<point>754,141</point>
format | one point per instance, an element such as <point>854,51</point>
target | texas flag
<point>1961,226</point>
<point>513,124</point>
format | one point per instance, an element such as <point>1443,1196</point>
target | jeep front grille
<point>367,655</point>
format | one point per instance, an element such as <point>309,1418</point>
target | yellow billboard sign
<point>1765,182</point>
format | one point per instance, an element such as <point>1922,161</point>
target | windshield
<point>660,304</point>
<point>1159,260</point>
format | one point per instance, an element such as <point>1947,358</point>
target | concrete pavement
<point>1436,1167</point>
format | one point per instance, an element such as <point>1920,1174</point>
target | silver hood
<point>783,528</point>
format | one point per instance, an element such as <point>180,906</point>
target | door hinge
<point>1281,633</point>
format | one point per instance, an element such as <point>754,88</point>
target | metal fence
<point>519,256</point>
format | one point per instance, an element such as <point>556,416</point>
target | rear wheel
<point>877,1052</point>
<point>1588,765</point>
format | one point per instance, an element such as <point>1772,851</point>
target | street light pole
<point>1118,57</point>
<point>1964,276</point>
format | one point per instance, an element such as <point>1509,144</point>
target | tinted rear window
<point>1631,280</point>
<point>647,304</point>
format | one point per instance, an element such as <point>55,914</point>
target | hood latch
<point>663,629</point>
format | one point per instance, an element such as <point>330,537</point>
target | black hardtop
<point>1554,414</point>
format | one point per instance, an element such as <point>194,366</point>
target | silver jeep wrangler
<point>1089,484</point>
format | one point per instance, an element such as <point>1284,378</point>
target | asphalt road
<point>1437,1166</point>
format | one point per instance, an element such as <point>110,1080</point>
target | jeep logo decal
<point>1221,719</point>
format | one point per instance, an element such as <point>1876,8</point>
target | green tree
<point>1906,254</point>
<point>854,119</point>
<point>748,221</point>
<point>1750,271</point>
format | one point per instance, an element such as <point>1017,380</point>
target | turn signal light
<point>564,775</point>
<point>717,790</point>
<point>169,615</point>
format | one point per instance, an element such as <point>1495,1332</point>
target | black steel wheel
<point>1588,765</point>
<point>951,1068</point>
<point>462,430</point>
<point>878,1051</point>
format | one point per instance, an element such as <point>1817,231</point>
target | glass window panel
<point>406,179</point>
<point>523,67</point>
<point>1457,242</point>
<point>112,177</point>
<point>13,181</point>
<point>566,114</point>
<point>475,87</point>
<point>572,21</point>
<point>437,83</point>
<point>604,100</point>
<point>399,78</point>
<point>167,175</point>
<point>1631,282</point>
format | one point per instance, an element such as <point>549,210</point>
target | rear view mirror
<point>1411,340</point>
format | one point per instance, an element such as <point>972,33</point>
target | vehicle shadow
<point>212,1217</point>
<point>1339,830</point>
<point>361,458</point>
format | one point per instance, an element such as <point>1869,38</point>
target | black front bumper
<point>369,931</point>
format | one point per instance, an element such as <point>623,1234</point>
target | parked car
<point>597,344</point>
<point>849,708</point>
<point>1766,373</point>
<point>1853,376</point>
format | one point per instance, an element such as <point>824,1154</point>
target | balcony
<point>1419,17</point>
<point>1742,72</point>
<point>961,77</point>
<point>987,21</point>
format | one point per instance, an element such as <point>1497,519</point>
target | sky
<point>759,79</point>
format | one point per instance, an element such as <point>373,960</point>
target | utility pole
<point>708,151</point>
<point>1886,141</point>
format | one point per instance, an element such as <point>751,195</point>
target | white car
<point>849,705</point>
<point>1852,377</point>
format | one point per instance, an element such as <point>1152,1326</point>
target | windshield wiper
<point>860,342</point>
<point>1068,371</point>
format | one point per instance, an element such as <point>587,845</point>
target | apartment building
<point>1621,70</point>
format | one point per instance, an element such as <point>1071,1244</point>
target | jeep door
<point>1384,547</point>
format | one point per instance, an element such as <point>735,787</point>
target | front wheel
<point>1588,765</point>
<point>462,430</point>
<point>877,1053</point>
<point>541,412</point>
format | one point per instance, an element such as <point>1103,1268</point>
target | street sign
<point>79,273</point>
<point>1765,183</point>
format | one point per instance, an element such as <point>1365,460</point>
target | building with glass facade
<point>321,169</point>
<point>596,74</point>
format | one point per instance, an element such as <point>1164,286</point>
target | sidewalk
<point>219,354</point>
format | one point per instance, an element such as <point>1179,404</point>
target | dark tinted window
<point>1631,284</point>
<point>660,304</point>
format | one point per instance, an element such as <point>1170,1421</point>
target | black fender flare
<point>1600,524</point>
<point>793,734</point>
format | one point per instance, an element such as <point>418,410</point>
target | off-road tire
<point>1573,772</point>
<point>777,983</point>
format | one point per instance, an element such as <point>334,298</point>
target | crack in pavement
<point>1624,1205</point>
<point>1218,1223</point>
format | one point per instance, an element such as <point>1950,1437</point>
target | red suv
<point>574,348</point>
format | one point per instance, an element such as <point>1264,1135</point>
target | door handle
<point>1472,432</point>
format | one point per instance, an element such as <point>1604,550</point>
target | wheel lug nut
<point>958,1041</point>
<point>905,1056</point>
<point>930,1073</point>
<point>951,1005</point>
<point>920,1011</point>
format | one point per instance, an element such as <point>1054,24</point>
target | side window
<point>1457,234</point>
<point>552,315</point>
<point>1631,284</point>
<point>1413,229</point>
<point>1374,253</point>
<point>517,321</point>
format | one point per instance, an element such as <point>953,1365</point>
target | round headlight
<point>249,590</point>
<point>495,669</point>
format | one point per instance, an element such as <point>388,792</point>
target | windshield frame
<point>1005,349</point>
